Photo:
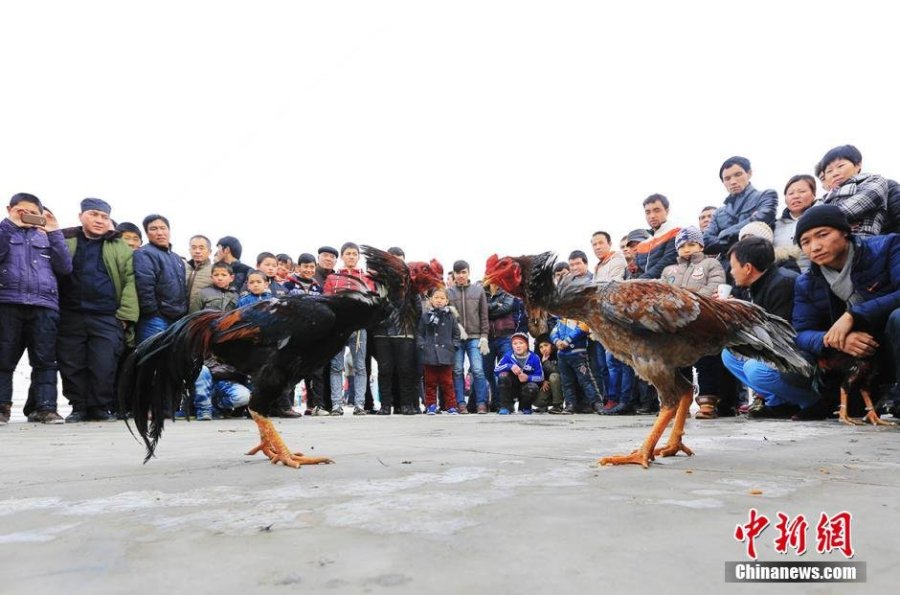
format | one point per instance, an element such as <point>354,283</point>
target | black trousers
<point>511,388</point>
<point>397,356</point>
<point>88,347</point>
<point>33,328</point>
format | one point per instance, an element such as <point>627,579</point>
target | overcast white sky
<point>452,129</point>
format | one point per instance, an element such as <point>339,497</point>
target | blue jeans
<point>221,394</point>
<point>149,326</point>
<point>499,347</point>
<point>357,345</point>
<point>776,388</point>
<point>621,379</point>
<point>599,369</point>
<point>469,347</point>
<point>575,370</point>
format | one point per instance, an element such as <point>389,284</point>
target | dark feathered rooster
<point>275,342</point>
<point>657,329</point>
<point>857,372</point>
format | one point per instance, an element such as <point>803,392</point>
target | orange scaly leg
<point>871,416</point>
<point>675,445</point>
<point>273,446</point>
<point>644,454</point>
<point>842,415</point>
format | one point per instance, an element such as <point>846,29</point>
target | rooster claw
<point>874,419</point>
<point>670,450</point>
<point>638,457</point>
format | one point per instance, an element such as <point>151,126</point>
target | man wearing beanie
<point>849,299</point>
<point>99,304</point>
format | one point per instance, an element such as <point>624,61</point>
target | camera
<point>31,219</point>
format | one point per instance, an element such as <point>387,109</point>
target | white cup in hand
<point>724,291</point>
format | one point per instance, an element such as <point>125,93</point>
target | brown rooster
<point>857,372</point>
<point>656,328</point>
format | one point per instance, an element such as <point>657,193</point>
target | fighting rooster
<point>856,372</point>
<point>275,342</point>
<point>657,329</point>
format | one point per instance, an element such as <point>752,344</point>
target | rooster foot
<point>673,448</point>
<point>272,445</point>
<point>639,457</point>
<point>844,418</point>
<point>874,419</point>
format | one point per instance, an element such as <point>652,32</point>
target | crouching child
<point>519,375</point>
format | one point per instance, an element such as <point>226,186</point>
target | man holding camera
<point>32,254</point>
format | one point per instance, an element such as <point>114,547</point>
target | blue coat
<point>875,275</point>
<point>532,366</point>
<point>738,211</point>
<point>161,283</point>
<point>438,341</point>
<point>30,260</point>
<point>572,332</point>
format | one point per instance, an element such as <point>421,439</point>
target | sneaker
<point>503,411</point>
<point>452,411</point>
<point>431,410</point>
<point>567,411</point>
<point>4,413</point>
<point>461,409</point>
<point>554,410</point>
<point>337,411</point>
<point>482,408</point>
<point>525,411</point>
<point>46,417</point>
<point>180,415</point>
<point>359,411</point>
<point>598,408</point>
<point>77,416</point>
<point>204,415</point>
<point>385,410</point>
<point>320,412</point>
<point>100,414</point>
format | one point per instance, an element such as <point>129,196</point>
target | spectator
<point>438,338</point>
<point>349,277</point>
<point>859,276</point>
<point>519,374</point>
<point>471,303</point>
<point>628,246</point>
<point>130,234</point>
<point>656,253</point>
<point>615,379</point>
<point>327,259</point>
<point>501,326</point>
<point>560,269</point>
<point>799,196</point>
<point>861,197</point>
<point>743,204</point>
<point>578,265</point>
<point>550,398</point>
<point>257,289</point>
<point>32,255</point>
<point>284,269</point>
<point>229,250</point>
<point>706,217</point>
<point>772,289</point>
<point>570,338</point>
<point>220,389</point>
<point>160,280</point>
<point>99,303</point>
<point>198,270</point>
<point>611,265</point>
<point>268,264</point>
<point>219,296</point>
<point>702,274</point>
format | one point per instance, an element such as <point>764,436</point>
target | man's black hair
<point>604,234</point>
<point>704,209</point>
<point>306,258</point>
<point>743,162</point>
<point>129,226</point>
<point>759,252</point>
<point>284,258</point>
<point>460,265</point>
<point>398,252</point>
<point>576,254</point>
<point>656,198</point>
<point>25,197</point>
<point>848,152</point>
<point>222,265</point>
<point>264,255</point>
<point>202,237</point>
<point>154,217</point>
<point>233,244</point>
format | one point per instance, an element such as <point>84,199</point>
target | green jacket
<point>118,260</point>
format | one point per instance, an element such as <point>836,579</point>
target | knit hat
<point>757,229</point>
<point>522,336</point>
<point>688,234</point>
<point>328,250</point>
<point>821,216</point>
<point>95,204</point>
<point>637,235</point>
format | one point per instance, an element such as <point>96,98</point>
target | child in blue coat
<point>519,375</point>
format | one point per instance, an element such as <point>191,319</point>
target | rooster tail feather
<point>390,272</point>
<point>771,339</point>
<point>154,377</point>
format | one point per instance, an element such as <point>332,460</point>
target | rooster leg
<point>675,445</point>
<point>644,454</point>
<point>273,446</point>
<point>871,415</point>
<point>843,412</point>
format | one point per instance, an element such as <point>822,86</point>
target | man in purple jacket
<point>31,256</point>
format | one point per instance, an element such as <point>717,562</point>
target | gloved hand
<point>483,346</point>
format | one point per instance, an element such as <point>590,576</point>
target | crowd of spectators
<point>79,299</point>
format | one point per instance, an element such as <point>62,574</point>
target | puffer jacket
<point>739,210</point>
<point>698,272</point>
<point>572,332</point>
<point>472,306</point>
<point>160,279</point>
<point>876,277</point>
<point>30,260</point>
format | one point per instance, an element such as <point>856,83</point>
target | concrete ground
<point>464,504</point>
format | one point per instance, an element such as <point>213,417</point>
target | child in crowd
<point>131,234</point>
<point>257,289</point>
<point>703,274</point>
<point>219,295</point>
<point>268,264</point>
<point>284,269</point>
<point>550,397</point>
<point>570,337</point>
<point>303,280</point>
<point>518,376</point>
<point>438,337</point>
